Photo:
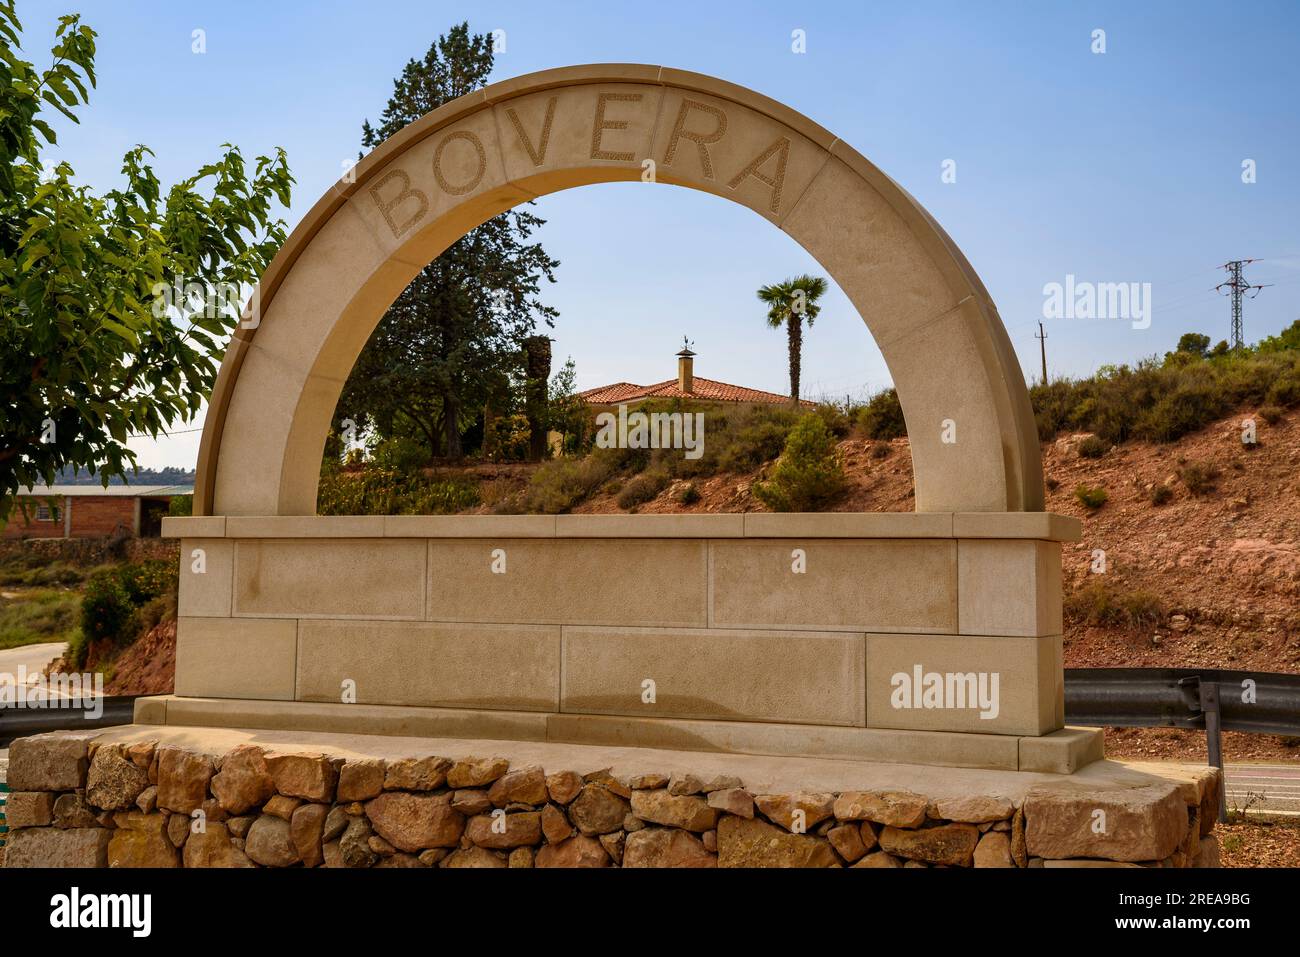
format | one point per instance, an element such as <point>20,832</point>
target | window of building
<point>47,513</point>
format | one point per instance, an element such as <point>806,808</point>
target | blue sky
<point>1115,167</point>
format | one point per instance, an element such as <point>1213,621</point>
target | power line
<point>1237,286</point>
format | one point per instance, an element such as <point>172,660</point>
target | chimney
<point>686,369</point>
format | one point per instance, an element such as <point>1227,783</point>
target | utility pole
<point>1041,336</point>
<point>1236,286</point>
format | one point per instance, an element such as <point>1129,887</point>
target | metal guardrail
<point>1205,699</point>
<point>20,722</point>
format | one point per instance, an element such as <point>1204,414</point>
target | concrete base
<point>1062,752</point>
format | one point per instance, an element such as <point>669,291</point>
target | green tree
<point>810,473</point>
<point>452,342</point>
<point>93,348</point>
<point>789,303</point>
<point>1194,343</point>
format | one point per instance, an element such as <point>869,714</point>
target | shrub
<point>641,489</point>
<point>38,615</point>
<point>882,416</point>
<point>1052,483</point>
<point>399,455</point>
<point>689,494</point>
<point>375,491</point>
<point>1160,494</point>
<point>809,474</point>
<point>1199,477</point>
<point>1093,447</point>
<point>180,505</point>
<point>1271,414</point>
<point>1090,496</point>
<point>560,484</point>
<point>837,421</point>
<point>1101,604</point>
<point>106,608</point>
<point>880,450</point>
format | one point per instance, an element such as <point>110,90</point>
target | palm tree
<point>788,304</point>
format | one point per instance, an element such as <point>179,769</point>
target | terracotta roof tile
<point>709,390</point>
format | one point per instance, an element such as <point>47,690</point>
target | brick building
<point>91,511</point>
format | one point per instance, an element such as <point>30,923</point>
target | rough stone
<point>611,783</point>
<point>140,840</point>
<point>755,843</point>
<point>519,829</point>
<point>994,850</point>
<point>555,826</point>
<point>1140,824</point>
<point>870,835</point>
<point>432,856</point>
<point>1018,852</point>
<point>525,786</point>
<point>47,763</point>
<point>336,821</point>
<point>52,847</point>
<point>361,779</point>
<point>306,829</point>
<point>114,782</point>
<point>647,782</point>
<point>781,809</point>
<point>243,783</point>
<point>521,857</point>
<point>471,801</point>
<point>879,859</point>
<point>680,785</point>
<point>952,844</point>
<point>563,786</point>
<point>413,822</point>
<point>399,860</point>
<point>178,829</point>
<point>476,773</point>
<point>380,846</point>
<point>722,782</point>
<point>148,799</point>
<point>238,826</point>
<point>71,810</point>
<point>312,777</point>
<point>666,847</point>
<point>475,857</point>
<point>613,845</point>
<point>1208,855</point>
<point>689,812</point>
<point>354,844</point>
<point>213,848</point>
<point>282,806</point>
<point>895,808</point>
<point>975,809</point>
<point>847,841</point>
<point>415,774</point>
<point>577,851</point>
<point>270,842</point>
<point>29,809</point>
<point>597,810</point>
<point>736,801</point>
<point>183,779</point>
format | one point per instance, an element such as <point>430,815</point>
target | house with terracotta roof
<point>687,385</point>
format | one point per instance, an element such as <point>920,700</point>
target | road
<point>1264,787</point>
<point>33,657</point>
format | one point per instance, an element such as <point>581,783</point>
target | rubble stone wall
<point>79,803</point>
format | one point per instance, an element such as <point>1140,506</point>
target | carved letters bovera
<point>695,123</point>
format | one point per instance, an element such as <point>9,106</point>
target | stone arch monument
<point>931,637</point>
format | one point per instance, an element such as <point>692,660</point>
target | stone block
<point>864,585</point>
<point>647,582</point>
<point>495,667</point>
<point>236,657</point>
<point>800,677</point>
<point>361,578</point>
<point>1003,685</point>
<point>1009,587</point>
